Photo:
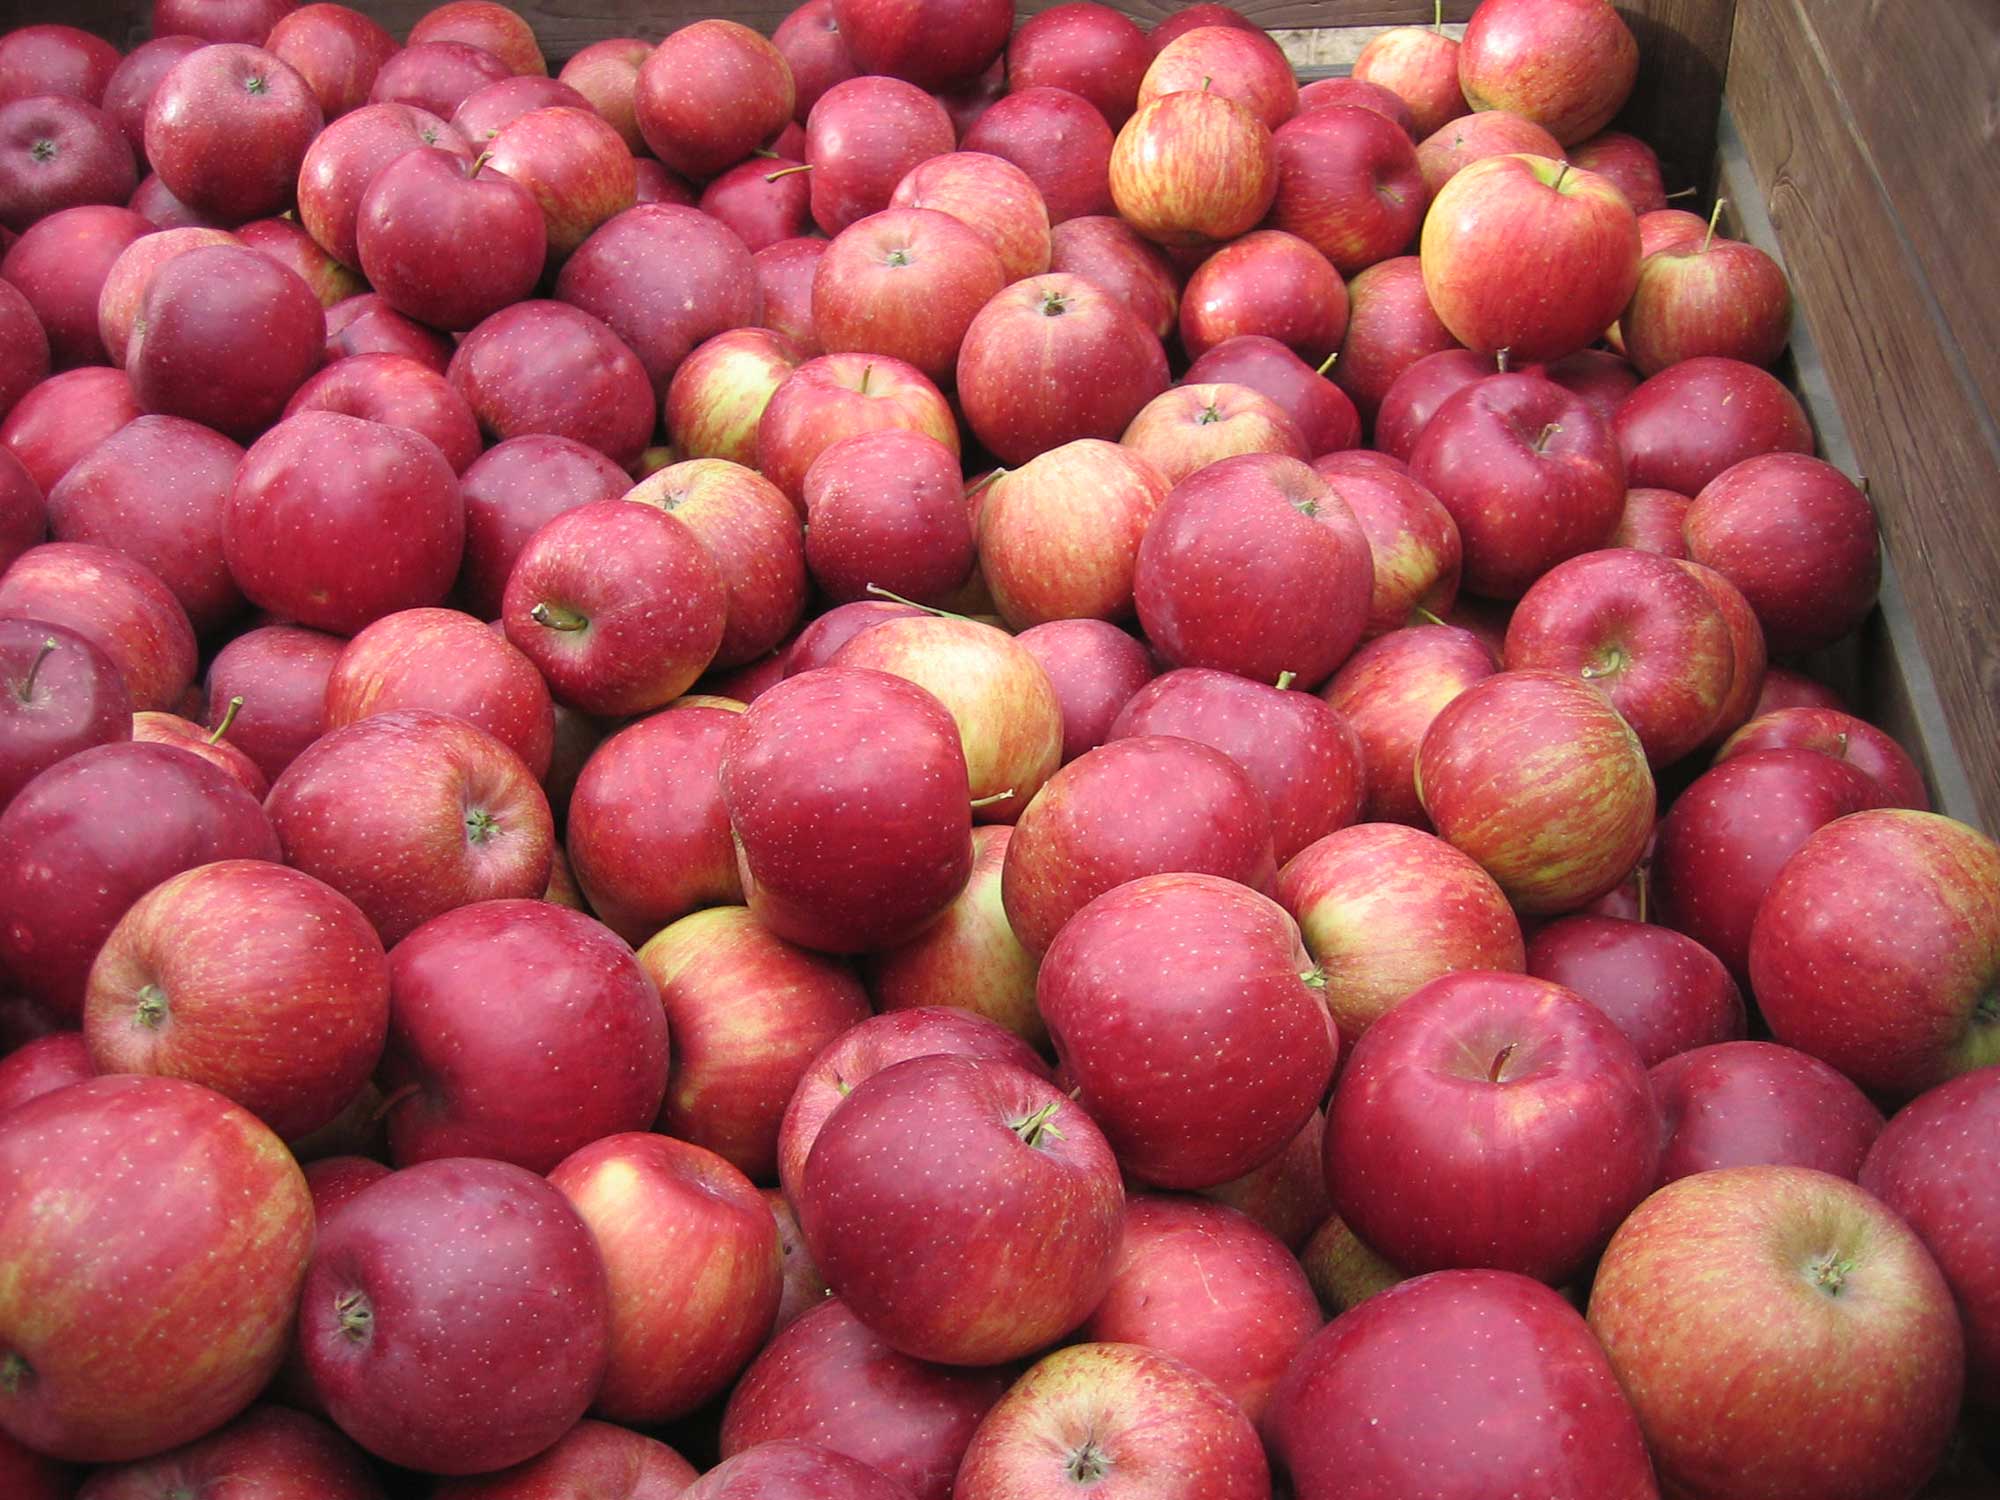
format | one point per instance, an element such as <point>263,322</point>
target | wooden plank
<point>1917,423</point>
<point>1683,60</point>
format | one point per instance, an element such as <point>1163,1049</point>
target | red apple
<point>52,59</point>
<point>862,138</point>
<point>447,241</point>
<point>1377,1403</point>
<point>1360,94</point>
<point>1666,992</point>
<point>1424,386</point>
<point>1535,775</point>
<point>1344,1272</point>
<point>1811,1284</point>
<point>905,283</point>
<point>762,201</point>
<point>1653,522</point>
<point>1089,49</point>
<point>117,604</point>
<point>606,74</point>
<point>490,110</point>
<point>815,645</point>
<point>809,40</point>
<point>209,744</point>
<point>1324,415</point>
<point>219,20</point>
<point>1740,1104</point>
<point>132,83</point>
<point>1842,736</point>
<point>280,672</point>
<point>990,195</point>
<point>785,277</point>
<point>1468,138</point>
<point>24,347</point>
<point>719,392</point>
<point>842,395</point>
<point>1059,537</point>
<point>1707,298</point>
<point>1188,17</point>
<point>436,76</point>
<point>550,367</point>
<point>60,266</point>
<point>1265,283</point>
<point>1413,542</point>
<point>88,1172</point>
<point>59,694</point>
<point>412,814</point>
<point>935,44</point>
<point>337,50</point>
<point>59,152</point>
<point>1384,910</point>
<point>1095,669</point>
<point>593,1458</point>
<point>1686,425</point>
<point>748,1012</point>
<point>1238,63</point>
<point>782,1469</point>
<point>486,25</point>
<point>368,325</point>
<point>1389,691</point>
<point>342,163</point>
<point>1390,326</point>
<point>1629,163</point>
<point>291,247</point>
<point>826,1379</point>
<point>886,511</point>
<point>228,128</point>
<point>162,210</point>
<point>1349,185</point>
<point>1191,427</point>
<point>1599,376</point>
<point>510,492</point>
<point>1193,167</point>
<point>1420,65</point>
<point>398,392</point>
<point>1059,139</point>
<point>577,167</point>
<point>63,418</point>
<point>518,1314</point>
<point>1566,64</point>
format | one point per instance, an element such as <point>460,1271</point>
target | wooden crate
<point>1861,142</point>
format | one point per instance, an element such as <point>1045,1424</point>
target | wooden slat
<point>1684,58</point>
<point>1918,424</point>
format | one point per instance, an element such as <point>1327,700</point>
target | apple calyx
<point>1307,506</point>
<point>784,171</point>
<point>26,691</point>
<point>1054,304</point>
<point>255,84</point>
<point>1039,1126</point>
<point>1493,1074</point>
<point>1089,1463</point>
<point>1714,218</point>
<point>1829,1272</point>
<point>1207,415</point>
<point>555,617</point>
<point>1987,1011</point>
<point>15,1373</point>
<point>898,258</point>
<point>152,1009</point>
<point>355,1316</point>
<point>480,825</point>
<point>1314,978</point>
<point>43,149</point>
<point>228,718</point>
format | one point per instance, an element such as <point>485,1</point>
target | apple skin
<point>1374,1404</point>
<point>1420,65</point>
<point>906,283</point>
<point>1193,168</point>
<point>133,80</point>
<point>247,21</point>
<point>1349,185</point>
<point>648,834</point>
<point>1256,536</point>
<point>784,278</point>
<point>1665,991</point>
<point>228,128</point>
<point>396,391</point>
<point>934,45</point>
<point>606,74</point>
<point>89,1171</point>
<point>1095,668</point>
<point>1239,63</point>
<point>52,59</point>
<point>197,739</point>
<point>59,152</point>
<point>447,242</point>
<point>1725,839</point>
<point>1133,1023</point>
<point>24,521</point>
<point>1287,1195</point>
<point>59,267</point>
<point>1685,426</point>
<point>436,76</point>
<point>1535,775</point>
<point>519,369</point>
<point>862,138</point>
<point>343,160</point>
<point>592,1458</point>
<point>1204,1285</point>
<point>336,50</point>
<point>280,672</point>
<point>1703,297</point>
<point>827,1380</point>
<point>1739,1104</point>
<point>1566,64</point>
<point>204,979</point>
<point>161,209</point>
<point>1841,736</point>
<point>40,1067</point>
<point>1629,163</point>
<point>1059,536</point>
<point>1123,811</point>
<point>844,856</point>
<point>1325,417</point>
<point>1413,542</point>
<point>761,201</point>
<point>486,113</point>
<point>1470,138</point>
<point>748,1012</point>
<point>1298,752</point>
<point>577,167</point>
<point>1360,94</point>
<point>1343,1272</point>
<point>810,41</point>
<point>1091,50</point>
<point>1877,949</point>
<point>786,1470</point>
<point>269,1450</point>
<point>1059,139</point>
<point>411,814</point>
<point>24,347</point>
<point>1806,595</point>
<point>1788,689</point>
<point>491,27</point>
<point>815,644</point>
<point>510,492</point>
<point>63,418</point>
<point>1653,522</point>
<point>368,325</point>
<point>1530,473</point>
<point>59,694</point>
<point>1449,1119</point>
<point>1812,1283</point>
<point>719,392</point>
<point>991,195</point>
<point>1052,359</point>
<point>1424,386</point>
<point>1384,910</point>
<point>295,250</point>
<point>1390,326</point>
<point>836,396</point>
<point>872,1047</point>
<point>520,1316</point>
<point>916,1173</point>
<point>1188,17</point>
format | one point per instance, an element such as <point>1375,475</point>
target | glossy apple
<point>606,73</point>
<point>934,45</point>
<point>1191,427</point>
<point>550,367</point>
<point>368,325</point>
<point>486,25</point>
<point>1060,140</point>
<point>1059,537</point>
<point>1652,522</point>
<point>577,167</point>
<point>862,138</point>
<point>762,201</point>
<point>809,39</point>
<point>1424,386</point>
<point>510,492</point>
<point>486,113</point>
<point>282,670</point>
<point>52,59</point>
<point>437,76</point>
<point>1740,1104</point>
<point>59,695</point>
<point>1469,138</point>
<point>118,605</point>
<point>343,160</point>
<point>1413,543</point>
<point>906,283</point>
<point>60,267</point>
<point>783,1469</point>
<point>211,745</point>
<point>1627,161</point>
<point>841,395</point>
<point>1361,94</point>
<point>1842,736</point>
<point>1686,425</point>
<point>1325,417</point>
<point>448,241</point>
<point>24,363</point>
<point>297,251</point>
<point>719,392</point>
<point>63,418</point>
<point>592,1457</point>
<point>337,50</point>
<point>1095,668</point>
<point>1390,326</point>
<point>1707,297</point>
<point>1089,49</point>
<point>228,128</point>
<point>989,194</point>
<point>1349,185</point>
<point>1239,63</point>
<point>1788,689</point>
<point>1420,64</point>
<point>1193,167</point>
<point>1566,64</point>
<point>59,152</point>
<point>130,86</point>
<point>1666,992</point>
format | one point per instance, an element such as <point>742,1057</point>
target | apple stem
<point>1556,186</point>
<point>1714,217</point>
<point>15,1372</point>
<point>1205,83</point>
<point>930,609</point>
<point>1038,1126</point>
<point>228,718</point>
<point>1542,438</point>
<point>381,1111</point>
<point>996,797</point>
<point>478,162</point>
<point>27,691</point>
<point>1437,18</point>
<point>1327,363</point>
<point>1286,679</point>
<point>1499,1063</point>
<point>357,1318</point>
<point>867,370</point>
<point>984,481</point>
<point>1500,359</point>
<point>555,617</point>
<point>1686,192</point>
<point>787,172</point>
<point>1426,616</point>
<point>1643,879</point>
<point>766,152</point>
<point>151,1010</point>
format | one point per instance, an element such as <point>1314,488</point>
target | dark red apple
<point>887,510</point>
<point>1424,386</point>
<point>210,744</point>
<point>1349,185</point>
<point>297,251</point>
<point>1060,140</point>
<point>1360,94</point>
<point>1266,283</point>
<point>446,241</point>
<point>785,277</point>
<point>817,644</point>
<point>280,673</point>
<point>711,94</point>
<point>24,347</point>
<point>228,128</point>
<point>398,392</point>
<point>1684,426</point>
<point>511,491</point>
<point>837,396</point>
<point>487,25</point>
<point>1740,1104</point>
<point>1390,691</point>
<point>368,325</point>
<point>1390,326</point>
<point>153,202</point>
<point>1089,49</point>
<point>1324,415</point>
<point>117,604</point>
<point>436,76</point>
<point>59,695</point>
<point>1653,522</point>
<point>59,152</point>
<point>593,1458</point>
<point>550,367</point>
<point>1095,669</point>
<point>342,162</point>
<point>862,138</point>
<point>1666,992</point>
<point>782,1469</point>
<point>762,201</point>
<point>336,49</point>
<point>1236,62</point>
<point>53,59</point>
<point>60,266</point>
<point>1842,736</point>
<point>939,44</point>
<point>63,418</point>
<point>809,40</point>
<point>131,86</point>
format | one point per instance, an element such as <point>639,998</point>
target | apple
<point>1806,1280</point>
<point>1873,949</point>
<point>606,74</point>
<point>1707,297</point>
<point>1922,1168</point>
<point>510,492</point>
<point>862,138</point>
<point>297,251</point>
<point>59,266</point>
<point>1345,1273</point>
<point>209,744</point>
<point>63,418</point>
<point>133,79</point>
<point>1384,910</point>
<point>815,645</point>
<point>1666,992</point>
<point>1324,415</point>
<point>810,41</point>
<point>1412,541</point>
<point>1089,49</point>
<point>1424,386</point>
<point>551,367</point>
<point>280,672</point>
<point>1095,669</point>
<point>1294,559</point>
<point>1685,426</point>
<point>782,1469</point>
<point>445,240</point>
<point>59,152</point>
<point>842,395</point>
<point>59,694</point>
<point>1052,359</point>
<point>906,283</point>
<point>1237,63</point>
<point>41,1067</point>
<point>219,20</point>
<point>1360,94</point>
<point>1193,426</point>
<point>115,603</point>
<point>1349,185</point>
<point>762,201</point>
<point>1535,775</point>
<point>934,45</point>
<point>804,1290</point>
<point>368,325</point>
<point>1059,537</point>
<point>1629,163</point>
<point>1788,689</point>
<point>343,160</point>
<point>1059,139</point>
<point>1188,17</point>
<point>24,520</point>
<point>1420,65</point>
<point>1193,167</point>
<point>62,60</point>
<point>936,1155</point>
<point>748,1012</point>
<point>1842,736</point>
<point>436,76</point>
<point>1566,64</point>
<point>412,814</point>
<point>228,128</point>
<point>1376,1404</point>
<point>720,390</point>
<point>337,50</point>
<point>491,27</point>
<point>1575,226</point>
<point>396,391</point>
<point>827,1380</point>
<point>490,110</point>
<point>1267,283</point>
<point>1598,376</point>
<point>1653,522</point>
<point>988,194</point>
<point>593,1458</point>
<point>24,347</point>
<point>1390,326</point>
<point>86,1175</point>
<point>784,278</point>
<point>1122,811</point>
<point>152,201</point>
<point>1740,1104</point>
<point>1468,138</point>
<point>576,166</point>
<point>519,1315</point>
<point>1530,473</point>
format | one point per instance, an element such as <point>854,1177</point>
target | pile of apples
<point>724,776</point>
